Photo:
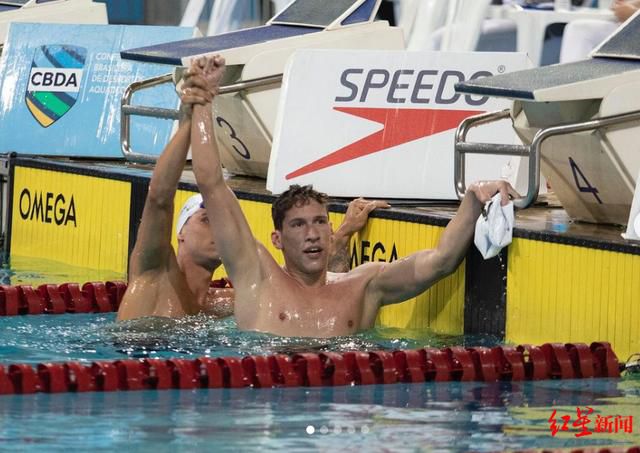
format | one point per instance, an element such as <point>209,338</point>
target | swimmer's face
<point>305,238</point>
<point>196,240</point>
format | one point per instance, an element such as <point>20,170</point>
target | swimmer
<point>302,298</point>
<point>164,284</point>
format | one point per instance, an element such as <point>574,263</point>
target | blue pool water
<point>442,417</point>
<point>456,417</point>
<point>88,337</point>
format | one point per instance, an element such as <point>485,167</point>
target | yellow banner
<point>73,219</point>
<point>566,293</point>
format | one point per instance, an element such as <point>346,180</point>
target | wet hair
<point>296,195</point>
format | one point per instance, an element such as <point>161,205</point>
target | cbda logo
<point>54,81</point>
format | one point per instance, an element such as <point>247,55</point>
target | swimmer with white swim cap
<point>163,283</point>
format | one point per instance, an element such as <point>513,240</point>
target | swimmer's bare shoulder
<point>156,292</point>
<point>354,286</point>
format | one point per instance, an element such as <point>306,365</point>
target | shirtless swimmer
<point>303,298</point>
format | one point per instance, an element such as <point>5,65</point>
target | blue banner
<point>61,87</point>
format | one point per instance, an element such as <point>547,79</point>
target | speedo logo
<point>55,79</point>
<point>407,86</point>
<point>400,124</point>
<point>47,207</point>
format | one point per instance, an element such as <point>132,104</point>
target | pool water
<point>88,337</point>
<point>434,417</point>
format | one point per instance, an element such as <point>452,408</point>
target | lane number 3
<point>238,145</point>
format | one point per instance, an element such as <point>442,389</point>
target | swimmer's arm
<point>354,220</point>
<point>231,232</point>
<point>153,243</point>
<point>406,278</point>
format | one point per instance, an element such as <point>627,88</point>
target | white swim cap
<point>189,208</point>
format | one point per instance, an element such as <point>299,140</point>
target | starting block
<point>51,11</point>
<point>579,122</point>
<point>245,110</point>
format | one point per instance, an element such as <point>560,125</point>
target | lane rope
<point>51,299</point>
<point>501,363</point>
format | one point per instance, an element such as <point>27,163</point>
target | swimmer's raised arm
<point>410,276</point>
<point>234,240</point>
<point>153,243</point>
<point>354,220</point>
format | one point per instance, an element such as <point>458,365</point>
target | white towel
<point>494,228</point>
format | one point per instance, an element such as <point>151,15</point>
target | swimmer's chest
<point>335,309</point>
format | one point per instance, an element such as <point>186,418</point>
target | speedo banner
<point>382,123</point>
<point>61,87</point>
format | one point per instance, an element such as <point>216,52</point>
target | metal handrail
<point>251,83</point>
<point>127,110</point>
<point>532,151</point>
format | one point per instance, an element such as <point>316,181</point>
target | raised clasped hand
<point>212,69</point>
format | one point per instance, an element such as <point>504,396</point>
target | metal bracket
<point>532,151</point>
<point>127,110</point>
<point>5,184</point>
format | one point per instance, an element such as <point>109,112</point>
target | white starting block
<point>580,125</point>
<point>245,110</point>
<point>633,225</point>
<point>51,11</point>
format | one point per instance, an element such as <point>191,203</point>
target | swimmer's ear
<point>180,237</point>
<point>276,240</point>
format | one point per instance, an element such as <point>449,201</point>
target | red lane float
<point>29,301</point>
<point>283,370</point>
<point>90,297</point>
<point>8,300</point>
<point>502,363</point>
<point>74,299</point>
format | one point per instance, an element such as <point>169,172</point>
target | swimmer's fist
<point>194,91</point>
<point>485,190</point>
<point>211,69</point>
